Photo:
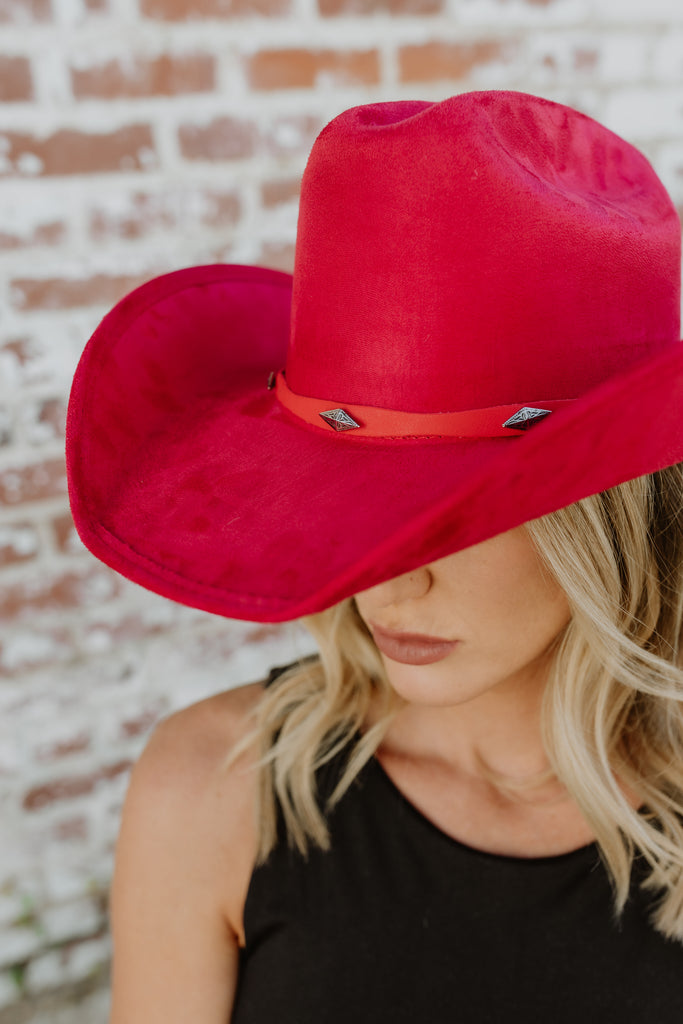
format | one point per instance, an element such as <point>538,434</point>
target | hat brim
<point>187,476</point>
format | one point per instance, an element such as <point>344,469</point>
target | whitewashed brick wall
<point>139,136</point>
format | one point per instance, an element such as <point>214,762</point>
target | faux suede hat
<point>482,327</point>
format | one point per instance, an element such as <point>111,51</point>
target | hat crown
<point>489,249</point>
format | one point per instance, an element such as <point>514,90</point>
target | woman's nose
<point>410,586</point>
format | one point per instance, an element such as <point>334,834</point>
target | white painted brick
<point>86,957</point>
<point>63,881</point>
<point>645,113</point>
<point>71,920</point>
<point>68,12</point>
<point>74,545</point>
<point>18,944</point>
<point>23,540</point>
<point>654,12</point>
<point>24,646</point>
<point>14,905</point>
<point>93,1009</point>
<point>667,58</point>
<point>550,58</point>
<point>45,972</point>
<point>6,425</point>
<point>670,169</point>
<point>38,363</point>
<point>520,13</point>
<point>12,755</point>
<point>67,965</point>
<point>19,216</point>
<point>9,990</point>
<point>623,57</point>
<point>11,907</point>
<point>203,663</point>
<point>51,733</point>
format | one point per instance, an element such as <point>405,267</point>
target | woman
<point>468,480</point>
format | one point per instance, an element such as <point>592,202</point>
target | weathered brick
<point>274,193</point>
<point>531,13</point>
<point>23,650</point>
<point>624,57</point>
<point>435,60</point>
<point>292,135</point>
<point>34,482</point>
<point>140,724</point>
<point>75,919</point>
<point>224,138</point>
<point>43,420</point>
<point>45,972</point>
<point>135,217</point>
<point>27,361</point>
<point>304,69</point>
<point>19,542</point>
<point>394,7</point>
<point>64,531</point>
<point>71,962</point>
<point>186,10</point>
<point>50,592</point>
<point>9,989</point>
<point>23,12</point>
<point>66,293</point>
<point>18,943</point>
<point>668,56</point>
<point>16,83</point>
<point>69,151</point>
<point>645,113</point>
<point>586,58</point>
<point>278,255</point>
<point>262,633</point>
<point>219,209</point>
<point>58,749</point>
<point>551,58</point>
<point>100,637</point>
<point>72,786</point>
<point>70,829</point>
<point>140,214</point>
<point>50,233</point>
<point>6,426</point>
<point>670,168</point>
<point>62,881</point>
<point>15,904</point>
<point>630,11</point>
<point>161,76</point>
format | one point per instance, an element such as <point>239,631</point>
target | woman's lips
<point>411,648</point>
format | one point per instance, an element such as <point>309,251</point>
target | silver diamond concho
<point>339,419</point>
<point>526,417</point>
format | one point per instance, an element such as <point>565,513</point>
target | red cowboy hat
<point>457,263</point>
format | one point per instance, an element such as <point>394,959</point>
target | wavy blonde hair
<point>612,706</point>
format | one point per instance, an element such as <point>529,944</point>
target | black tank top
<point>398,923</point>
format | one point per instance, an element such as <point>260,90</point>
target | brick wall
<point>139,136</point>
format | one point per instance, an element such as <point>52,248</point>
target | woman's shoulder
<point>181,776</point>
<point>185,751</point>
<point>184,857</point>
<point>203,728</point>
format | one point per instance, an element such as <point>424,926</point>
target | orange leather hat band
<point>371,421</point>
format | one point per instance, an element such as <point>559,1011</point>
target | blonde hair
<point>612,706</point>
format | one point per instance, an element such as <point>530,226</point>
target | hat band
<point>372,421</point>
